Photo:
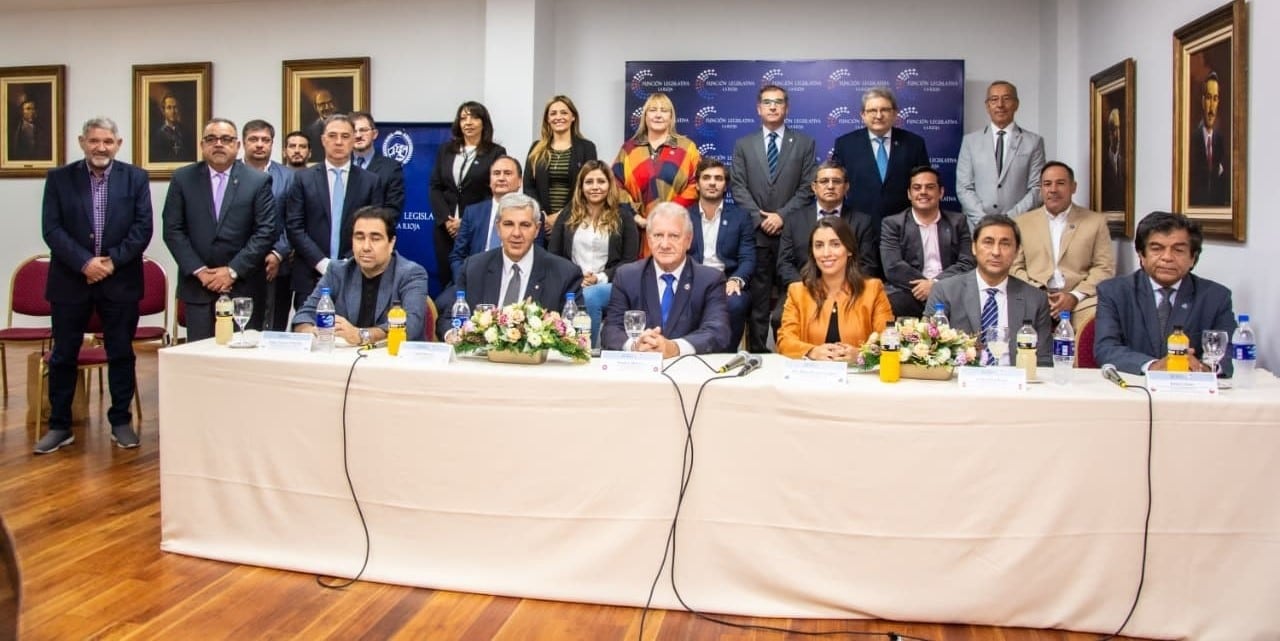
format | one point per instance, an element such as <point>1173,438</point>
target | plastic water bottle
<point>570,310</point>
<point>460,313</point>
<point>1064,350</point>
<point>1027,341</point>
<point>1057,282</point>
<point>939,318</point>
<point>582,326</point>
<point>1244,354</point>
<point>325,318</point>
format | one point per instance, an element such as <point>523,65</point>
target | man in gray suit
<point>998,171</point>
<point>219,223</point>
<point>772,172</point>
<point>364,287</point>
<point>922,245</point>
<point>988,293</point>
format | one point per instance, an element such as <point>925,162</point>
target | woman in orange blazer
<point>832,309</point>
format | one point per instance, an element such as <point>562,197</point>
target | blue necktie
<point>990,317</point>
<point>771,152</point>
<point>335,213</point>
<point>668,296</point>
<point>882,158</point>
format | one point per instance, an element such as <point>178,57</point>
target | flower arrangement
<point>925,344</point>
<point>522,327</point>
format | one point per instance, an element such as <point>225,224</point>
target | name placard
<point>615,362</point>
<point>429,353</point>
<point>815,373</point>
<point>294,342</point>
<point>1200,384</point>
<point>1000,379</point>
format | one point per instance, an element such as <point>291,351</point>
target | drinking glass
<point>633,321</point>
<point>997,342</point>
<point>487,307</point>
<point>1213,347</point>
<point>241,310</point>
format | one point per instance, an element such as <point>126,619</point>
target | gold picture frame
<point>171,103</point>
<point>33,120</point>
<point>1210,120</point>
<point>315,89</point>
<point>1112,96</point>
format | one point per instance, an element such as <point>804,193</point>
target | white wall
<point>1143,30</point>
<point>424,64</point>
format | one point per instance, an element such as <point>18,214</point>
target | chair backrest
<point>431,321</point>
<point>26,288</point>
<point>155,290</point>
<point>1084,347</point>
<point>179,320</point>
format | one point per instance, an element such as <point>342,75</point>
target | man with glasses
<point>320,205</point>
<point>879,157</point>
<point>772,173</point>
<point>259,136</point>
<point>219,223</point>
<point>829,189</point>
<point>998,170</point>
<point>365,156</point>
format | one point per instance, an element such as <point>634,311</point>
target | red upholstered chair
<point>155,300</point>
<point>179,320</point>
<point>26,297</point>
<point>1084,347</point>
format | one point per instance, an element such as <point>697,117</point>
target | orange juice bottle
<point>396,320</point>
<point>1178,344</point>
<point>890,363</point>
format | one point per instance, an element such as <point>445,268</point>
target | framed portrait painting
<point>1210,120</point>
<point>317,89</point>
<point>33,125</point>
<point>170,106</point>
<point>1111,151</point>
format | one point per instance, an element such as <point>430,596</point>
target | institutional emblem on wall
<point>905,75</point>
<point>398,146</point>
<point>637,83</point>
<point>701,84</point>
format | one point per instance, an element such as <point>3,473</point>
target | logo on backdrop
<point>771,76</point>
<point>905,76</point>
<point>838,117</point>
<point>635,118</point>
<point>835,79</point>
<point>637,83</point>
<point>708,150</point>
<point>701,81</point>
<point>701,122</point>
<point>398,146</point>
<point>905,115</point>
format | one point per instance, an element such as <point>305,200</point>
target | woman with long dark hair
<point>833,308</point>
<point>461,177</point>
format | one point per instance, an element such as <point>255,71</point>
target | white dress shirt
<point>711,236</point>
<point>929,241</point>
<point>591,251</point>
<point>526,268</point>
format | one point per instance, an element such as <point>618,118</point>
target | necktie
<point>1165,309</point>
<point>990,317</point>
<point>335,213</point>
<point>823,213</point>
<point>494,241</point>
<point>999,151</point>
<point>668,296</point>
<point>513,287</point>
<point>219,189</point>
<point>771,152</point>
<point>360,161</point>
<point>882,158</point>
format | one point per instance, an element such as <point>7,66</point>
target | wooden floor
<point>86,522</point>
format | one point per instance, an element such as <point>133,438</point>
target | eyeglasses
<point>226,140</point>
<point>363,130</point>
<point>773,102</point>
<point>997,100</point>
<point>830,181</point>
<point>882,111</point>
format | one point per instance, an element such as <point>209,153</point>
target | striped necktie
<point>990,317</point>
<point>772,154</point>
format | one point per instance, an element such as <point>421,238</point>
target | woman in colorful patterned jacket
<point>656,164</point>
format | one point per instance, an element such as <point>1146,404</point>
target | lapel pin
<point>686,287</point>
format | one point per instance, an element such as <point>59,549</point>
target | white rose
<point>535,340</point>
<point>920,350</point>
<point>491,335</point>
<point>535,323</point>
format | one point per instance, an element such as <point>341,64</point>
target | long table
<point>918,501</point>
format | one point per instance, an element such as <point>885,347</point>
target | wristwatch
<point>365,338</point>
<point>232,272</point>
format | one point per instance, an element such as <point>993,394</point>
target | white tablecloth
<point>917,501</point>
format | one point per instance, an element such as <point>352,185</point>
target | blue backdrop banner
<point>415,145</point>
<point>715,101</point>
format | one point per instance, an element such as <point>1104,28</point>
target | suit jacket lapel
<point>649,291</point>
<point>86,193</point>
<point>233,181</point>
<point>915,247</point>
<point>537,274</point>
<point>680,305</point>
<point>386,288</point>
<point>697,249</point>
<point>1013,137</point>
<point>491,288</point>
<point>1073,219</point>
<point>1152,335</point>
<point>1182,303</point>
<point>946,243</point>
<point>972,301</point>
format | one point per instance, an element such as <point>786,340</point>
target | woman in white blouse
<point>598,234</point>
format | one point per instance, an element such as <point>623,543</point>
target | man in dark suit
<point>1209,162</point>
<point>320,205</point>
<point>171,142</point>
<point>366,157</point>
<point>219,223</point>
<point>772,173</point>
<point>829,188</point>
<point>988,293</point>
<point>258,136</point>
<point>97,222</point>
<point>1137,312</point>
<point>879,157</point>
<point>922,245</point>
<point>479,231</point>
<point>723,239</point>
<point>518,270</point>
<point>684,302</point>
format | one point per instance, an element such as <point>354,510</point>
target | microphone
<point>1109,372</point>
<point>754,362</point>
<point>738,360</point>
